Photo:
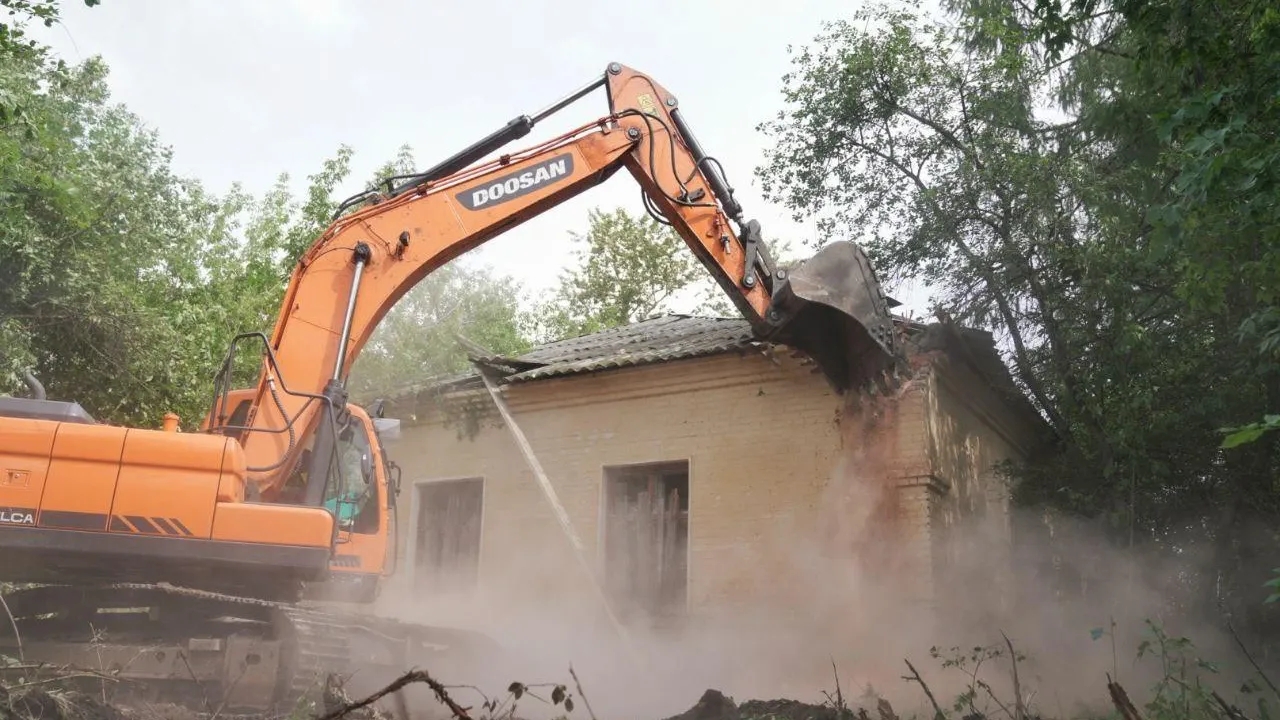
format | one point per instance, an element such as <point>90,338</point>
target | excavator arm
<point>831,307</point>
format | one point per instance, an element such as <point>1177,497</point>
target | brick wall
<point>968,433</point>
<point>760,439</point>
<point>786,487</point>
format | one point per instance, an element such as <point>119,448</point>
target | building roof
<point>665,338</point>
<point>654,340</point>
<point>657,339</point>
<point>671,337</point>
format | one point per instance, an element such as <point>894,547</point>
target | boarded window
<point>447,552</point>
<point>647,537</point>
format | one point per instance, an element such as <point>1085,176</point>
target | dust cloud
<point>844,593</point>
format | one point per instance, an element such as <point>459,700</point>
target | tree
<point>14,42</point>
<point>627,268</point>
<point>1205,75</point>
<point>933,140</point>
<point>236,270</point>
<point>94,232</point>
<point>1195,84</point>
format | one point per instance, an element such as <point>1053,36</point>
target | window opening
<point>447,534</point>
<point>647,538</point>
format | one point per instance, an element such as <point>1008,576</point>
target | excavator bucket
<point>833,308</point>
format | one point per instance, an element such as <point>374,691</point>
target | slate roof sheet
<point>657,339</point>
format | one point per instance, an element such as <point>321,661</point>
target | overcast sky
<point>244,90</point>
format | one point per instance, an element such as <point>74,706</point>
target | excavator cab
<point>361,493</point>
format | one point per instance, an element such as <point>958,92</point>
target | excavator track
<point>219,654</point>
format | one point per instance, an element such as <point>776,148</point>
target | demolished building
<point>700,467</point>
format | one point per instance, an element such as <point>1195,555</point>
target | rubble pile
<point>714,705</point>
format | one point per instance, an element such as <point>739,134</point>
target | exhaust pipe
<point>833,308</point>
<point>37,390</point>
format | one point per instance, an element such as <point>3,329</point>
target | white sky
<point>244,90</point>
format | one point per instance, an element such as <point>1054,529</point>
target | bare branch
<point>946,134</point>
<point>939,715</point>
<point>14,624</point>
<point>578,684</point>
<point>1020,712</point>
<point>1121,700</point>
<point>1248,656</point>
<point>1002,303</point>
<point>409,678</point>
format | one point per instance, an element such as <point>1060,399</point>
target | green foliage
<point>13,37</point>
<point>628,268</point>
<point>936,156</point>
<point>1274,584</point>
<point>1105,209</point>
<point>1205,76</point>
<point>1250,433</point>
<point>1185,684</point>
<point>92,243</point>
<point>418,339</point>
<point>235,271</point>
<point>17,48</point>
<point>970,662</point>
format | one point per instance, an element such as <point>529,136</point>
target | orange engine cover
<point>76,476</point>
<point>87,498</point>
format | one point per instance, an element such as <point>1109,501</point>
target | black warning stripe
<point>142,524</point>
<point>149,526</point>
<point>166,526</point>
<point>67,520</point>
<point>345,561</point>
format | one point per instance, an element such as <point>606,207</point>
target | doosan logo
<point>522,182</point>
<point>17,516</point>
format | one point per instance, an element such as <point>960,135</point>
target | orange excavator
<point>202,562</point>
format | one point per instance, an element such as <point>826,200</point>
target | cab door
<point>361,495</point>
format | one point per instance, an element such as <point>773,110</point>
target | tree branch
<point>946,134</point>
<point>415,676</point>
<point>1021,359</point>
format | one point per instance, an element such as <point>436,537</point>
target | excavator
<point>220,562</point>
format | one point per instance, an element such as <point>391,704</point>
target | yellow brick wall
<point>760,440</point>
<point>966,435</point>
<point>771,503</point>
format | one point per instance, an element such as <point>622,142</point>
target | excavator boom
<point>830,307</point>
